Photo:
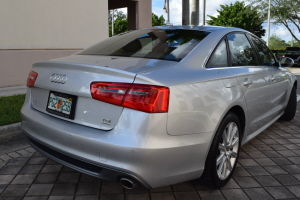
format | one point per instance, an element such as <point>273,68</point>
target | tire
<point>222,156</point>
<point>290,110</point>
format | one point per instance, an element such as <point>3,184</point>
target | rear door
<point>252,78</point>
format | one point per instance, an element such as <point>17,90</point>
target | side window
<point>219,56</point>
<point>241,51</point>
<point>266,56</point>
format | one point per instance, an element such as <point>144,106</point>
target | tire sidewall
<point>290,110</point>
<point>217,182</point>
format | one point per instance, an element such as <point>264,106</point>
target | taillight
<point>146,98</point>
<point>31,78</point>
<point>109,92</point>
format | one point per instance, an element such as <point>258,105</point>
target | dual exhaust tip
<point>127,183</point>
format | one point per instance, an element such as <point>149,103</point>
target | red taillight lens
<point>109,92</point>
<point>31,78</point>
<point>146,98</point>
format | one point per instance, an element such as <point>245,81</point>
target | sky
<point>211,9</point>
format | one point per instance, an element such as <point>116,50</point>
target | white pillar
<point>269,15</point>
<point>185,12</point>
<point>167,9</point>
<point>195,12</point>
<point>203,11</point>
<point>112,22</point>
<point>168,4</point>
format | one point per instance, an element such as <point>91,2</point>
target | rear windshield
<point>163,44</point>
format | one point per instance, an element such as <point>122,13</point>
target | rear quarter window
<point>219,56</point>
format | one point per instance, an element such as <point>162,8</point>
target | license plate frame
<point>69,111</point>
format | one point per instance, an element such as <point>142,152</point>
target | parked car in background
<point>158,106</point>
<point>294,53</point>
<point>278,53</point>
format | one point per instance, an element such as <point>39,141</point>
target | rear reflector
<point>146,98</point>
<point>31,78</point>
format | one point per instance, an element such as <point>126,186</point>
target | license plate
<point>61,104</point>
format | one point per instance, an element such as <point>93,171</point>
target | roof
<point>200,27</point>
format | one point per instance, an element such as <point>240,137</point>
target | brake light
<point>109,92</point>
<point>146,98</point>
<point>31,78</point>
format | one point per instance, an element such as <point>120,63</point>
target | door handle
<point>247,82</point>
<point>273,78</point>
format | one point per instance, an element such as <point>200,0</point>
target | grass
<point>10,109</point>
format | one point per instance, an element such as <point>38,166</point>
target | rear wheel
<point>223,153</point>
<point>290,110</point>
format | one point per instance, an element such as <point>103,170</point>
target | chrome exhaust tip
<point>127,183</point>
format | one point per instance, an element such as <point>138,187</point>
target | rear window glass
<point>163,44</point>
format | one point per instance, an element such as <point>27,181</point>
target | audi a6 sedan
<point>158,106</point>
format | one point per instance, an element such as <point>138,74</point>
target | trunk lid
<point>88,112</point>
<point>127,64</point>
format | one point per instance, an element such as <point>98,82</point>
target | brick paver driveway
<point>268,168</point>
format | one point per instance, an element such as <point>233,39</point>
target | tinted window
<point>164,44</point>
<point>266,56</point>
<point>219,56</point>
<point>241,51</point>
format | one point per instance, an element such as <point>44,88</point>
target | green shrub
<point>10,109</point>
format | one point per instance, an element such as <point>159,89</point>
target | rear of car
<point>157,106</point>
<point>294,53</point>
<point>85,124</point>
<point>89,112</point>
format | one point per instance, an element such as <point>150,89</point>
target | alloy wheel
<point>228,150</point>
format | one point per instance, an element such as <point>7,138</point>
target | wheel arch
<point>240,113</point>
<point>207,173</point>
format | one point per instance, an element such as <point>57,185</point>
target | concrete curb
<point>10,91</point>
<point>10,127</point>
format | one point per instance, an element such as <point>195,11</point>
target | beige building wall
<point>52,24</point>
<point>35,30</point>
<point>15,65</point>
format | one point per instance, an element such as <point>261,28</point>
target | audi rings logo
<point>59,78</point>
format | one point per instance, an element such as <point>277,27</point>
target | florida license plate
<point>61,104</point>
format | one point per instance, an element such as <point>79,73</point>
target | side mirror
<point>286,62</point>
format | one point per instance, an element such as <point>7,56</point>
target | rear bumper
<point>140,147</point>
<point>81,165</point>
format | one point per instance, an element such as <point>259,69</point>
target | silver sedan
<point>158,106</point>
